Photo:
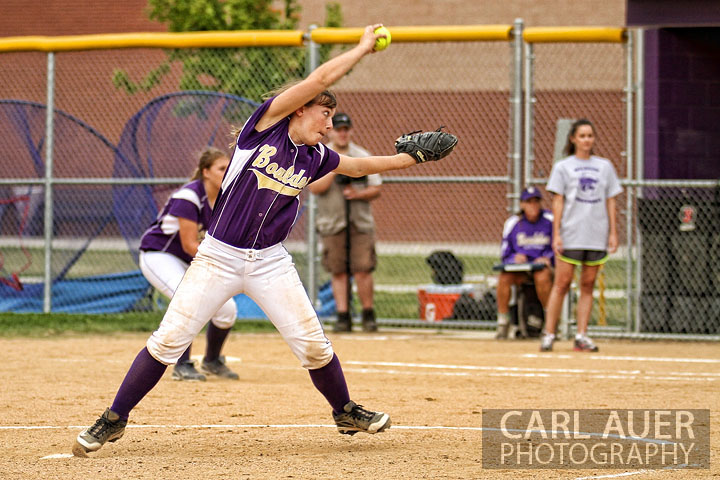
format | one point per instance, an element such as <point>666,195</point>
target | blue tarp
<point>99,294</point>
<point>327,300</point>
<point>112,293</point>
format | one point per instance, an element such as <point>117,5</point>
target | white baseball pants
<point>164,271</point>
<point>268,276</point>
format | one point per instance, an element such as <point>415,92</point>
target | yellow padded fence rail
<point>450,33</point>
<point>574,35</point>
<point>246,38</point>
<point>290,38</point>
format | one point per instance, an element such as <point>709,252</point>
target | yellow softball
<point>382,43</point>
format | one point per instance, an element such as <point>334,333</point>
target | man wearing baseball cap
<point>527,239</point>
<point>341,120</point>
<point>345,223</point>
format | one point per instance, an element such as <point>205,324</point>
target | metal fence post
<point>528,115</point>
<point>49,114</point>
<point>312,64</point>
<point>629,90</point>
<point>516,112</point>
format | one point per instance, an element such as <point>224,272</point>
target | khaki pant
<point>362,252</point>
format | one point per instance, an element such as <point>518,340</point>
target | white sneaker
<point>546,344</point>
<point>502,331</point>
<point>584,344</point>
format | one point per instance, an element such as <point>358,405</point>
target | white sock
<point>551,335</point>
<point>503,318</point>
<point>579,336</point>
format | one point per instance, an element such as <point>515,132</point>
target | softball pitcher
<point>277,153</point>
<point>168,246</point>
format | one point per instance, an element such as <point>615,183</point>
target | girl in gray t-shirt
<point>584,227</point>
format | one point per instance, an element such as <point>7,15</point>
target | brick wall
<point>454,213</point>
<point>74,17</point>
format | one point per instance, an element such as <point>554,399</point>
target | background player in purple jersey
<point>168,246</point>
<point>527,238</point>
<point>277,153</point>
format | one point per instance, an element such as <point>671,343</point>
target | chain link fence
<point>129,123</point>
<point>679,265</point>
<point>566,82</point>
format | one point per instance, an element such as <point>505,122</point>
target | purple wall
<point>672,13</point>
<point>682,103</point>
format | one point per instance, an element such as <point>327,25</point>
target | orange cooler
<point>437,301</point>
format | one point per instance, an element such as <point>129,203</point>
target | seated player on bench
<point>526,253</point>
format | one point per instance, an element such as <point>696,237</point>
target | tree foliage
<point>247,72</point>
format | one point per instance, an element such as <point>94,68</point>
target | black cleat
<point>218,368</point>
<point>369,323</point>
<point>108,428</point>
<point>343,323</point>
<point>185,371</point>
<point>356,419</point>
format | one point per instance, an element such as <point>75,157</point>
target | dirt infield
<point>273,424</point>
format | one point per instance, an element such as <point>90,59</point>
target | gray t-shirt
<point>586,186</point>
<point>331,203</point>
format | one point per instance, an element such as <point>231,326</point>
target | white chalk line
<point>284,426</point>
<point>513,374</point>
<point>57,455</point>
<point>200,426</point>
<point>552,433</point>
<point>637,472</point>
<point>624,358</point>
<point>616,475</point>
<point>501,371</point>
<point>228,426</point>
<point>394,427</point>
<point>228,359</point>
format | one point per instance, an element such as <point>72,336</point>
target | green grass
<point>91,262</point>
<point>404,305</point>
<point>395,305</point>
<point>391,269</point>
<point>412,269</point>
<point>406,270</point>
<point>52,324</point>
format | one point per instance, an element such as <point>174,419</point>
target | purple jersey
<point>258,203</point>
<point>190,202</point>
<point>534,240</point>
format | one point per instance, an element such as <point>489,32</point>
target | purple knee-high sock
<point>185,357</point>
<point>143,375</point>
<point>215,339</point>
<point>330,381</point>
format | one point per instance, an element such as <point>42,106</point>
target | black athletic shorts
<point>584,257</point>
